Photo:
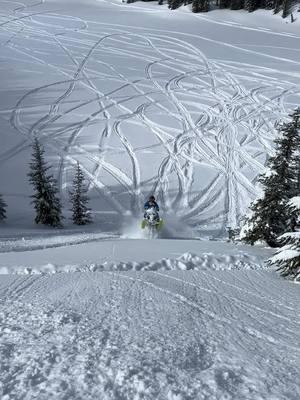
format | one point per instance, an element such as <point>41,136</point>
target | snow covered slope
<point>145,319</point>
<point>147,100</point>
<point>160,335</point>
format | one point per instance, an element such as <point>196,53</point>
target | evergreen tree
<point>3,206</point>
<point>294,209</point>
<point>236,4</point>
<point>200,6</point>
<point>261,3</point>
<point>286,8</point>
<point>277,6</point>
<point>45,198</point>
<point>196,6</point>
<point>287,259</point>
<point>250,5</point>
<point>270,216</point>
<point>296,165</point>
<point>291,146</point>
<point>269,4</point>
<point>205,6</point>
<point>173,4</point>
<point>224,3</point>
<point>80,212</point>
<point>292,18</point>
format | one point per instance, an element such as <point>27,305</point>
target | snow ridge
<point>186,262</point>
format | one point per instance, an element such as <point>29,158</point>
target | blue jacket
<point>149,204</point>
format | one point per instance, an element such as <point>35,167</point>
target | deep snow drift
<point>147,100</point>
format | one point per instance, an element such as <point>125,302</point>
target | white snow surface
<point>112,252</point>
<point>285,254</point>
<point>292,235</point>
<point>295,202</point>
<point>13,244</point>
<point>206,321</point>
<point>148,100</point>
<point>185,262</point>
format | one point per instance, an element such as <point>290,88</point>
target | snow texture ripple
<point>149,335</point>
<point>188,115</point>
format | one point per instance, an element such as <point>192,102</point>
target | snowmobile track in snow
<point>214,112</point>
<point>149,335</point>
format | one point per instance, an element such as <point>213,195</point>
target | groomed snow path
<point>180,335</point>
<point>147,100</point>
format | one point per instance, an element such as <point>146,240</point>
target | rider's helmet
<point>152,198</point>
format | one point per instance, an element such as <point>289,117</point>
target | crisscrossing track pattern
<point>145,113</point>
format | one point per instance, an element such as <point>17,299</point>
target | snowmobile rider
<point>151,203</point>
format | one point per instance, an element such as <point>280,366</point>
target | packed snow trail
<point>48,254</point>
<point>143,107</point>
<point>150,335</point>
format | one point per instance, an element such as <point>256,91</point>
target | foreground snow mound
<point>187,261</point>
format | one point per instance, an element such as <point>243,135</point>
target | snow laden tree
<point>224,3</point>
<point>287,259</point>
<point>269,4</point>
<point>236,4</point>
<point>294,208</point>
<point>3,206</point>
<point>295,162</point>
<point>200,6</point>
<point>80,212</point>
<point>286,8</point>
<point>173,4</point>
<point>45,198</point>
<point>277,6</point>
<point>270,216</point>
<point>292,133</point>
<point>250,5</point>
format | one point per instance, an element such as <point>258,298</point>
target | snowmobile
<point>152,222</point>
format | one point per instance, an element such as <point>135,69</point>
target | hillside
<point>148,101</point>
<point>182,105</point>
<point>210,325</point>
